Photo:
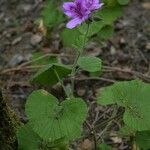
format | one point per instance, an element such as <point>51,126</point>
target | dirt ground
<point>125,56</point>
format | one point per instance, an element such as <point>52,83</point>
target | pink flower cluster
<point>80,10</point>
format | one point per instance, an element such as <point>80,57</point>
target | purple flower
<point>80,11</point>
<point>77,12</point>
<point>92,4</point>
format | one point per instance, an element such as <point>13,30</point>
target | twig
<point>22,66</point>
<point>20,69</point>
<point>99,125</point>
<point>115,110</point>
<point>44,56</point>
<point>20,83</point>
<point>138,74</point>
<point>93,134</point>
<point>95,78</point>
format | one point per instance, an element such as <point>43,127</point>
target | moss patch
<point>8,126</point>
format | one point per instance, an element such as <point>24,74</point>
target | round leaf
<point>135,97</point>
<point>90,64</point>
<point>51,120</point>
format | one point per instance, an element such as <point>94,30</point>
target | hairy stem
<point>79,53</point>
<point>73,72</point>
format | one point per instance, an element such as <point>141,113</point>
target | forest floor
<point>125,56</point>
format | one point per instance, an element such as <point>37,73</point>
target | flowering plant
<point>53,124</point>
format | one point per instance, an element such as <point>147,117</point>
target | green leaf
<point>38,59</point>
<point>143,139</point>
<point>104,147</point>
<point>126,131</point>
<point>112,3</point>
<point>93,28</point>
<point>47,75</point>
<point>77,37</point>
<point>135,97</point>
<point>80,42</point>
<point>49,14</point>
<point>52,120</point>
<point>123,2</point>
<point>138,107</point>
<point>70,37</point>
<point>109,15</point>
<point>83,28</point>
<point>105,96</point>
<point>28,139</point>
<point>60,144</point>
<point>106,32</point>
<point>90,64</point>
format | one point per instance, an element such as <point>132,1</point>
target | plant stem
<point>86,35</point>
<point>73,72</point>
<point>62,84</point>
<point>79,53</point>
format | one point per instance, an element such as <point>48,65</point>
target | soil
<point>125,56</point>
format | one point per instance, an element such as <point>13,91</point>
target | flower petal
<point>68,9</point>
<point>69,14</point>
<point>92,4</point>
<point>73,23</point>
<point>78,1</point>
<point>68,5</point>
<point>97,6</point>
